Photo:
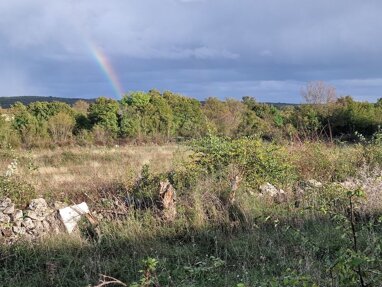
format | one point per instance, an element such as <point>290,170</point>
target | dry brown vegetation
<point>80,172</point>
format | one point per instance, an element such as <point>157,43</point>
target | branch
<point>106,280</point>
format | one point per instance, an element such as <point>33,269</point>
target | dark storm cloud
<point>225,48</point>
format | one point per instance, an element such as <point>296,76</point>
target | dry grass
<point>76,173</point>
<point>258,240</point>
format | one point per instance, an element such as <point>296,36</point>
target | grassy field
<point>255,241</point>
<point>75,173</point>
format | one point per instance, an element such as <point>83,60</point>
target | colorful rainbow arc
<point>107,68</point>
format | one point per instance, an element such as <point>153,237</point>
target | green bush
<point>18,191</point>
<point>253,160</point>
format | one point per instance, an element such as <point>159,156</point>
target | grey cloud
<point>268,49</point>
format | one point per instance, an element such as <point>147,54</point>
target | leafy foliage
<point>251,159</point>
<point>160,117</point>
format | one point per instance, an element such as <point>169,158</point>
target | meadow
<point>326,232</point>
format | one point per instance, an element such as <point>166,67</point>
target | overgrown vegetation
<point>164,117</point>
<point>320,225</point>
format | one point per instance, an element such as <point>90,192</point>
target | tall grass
<point>253,241</point>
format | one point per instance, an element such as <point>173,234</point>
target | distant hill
<point>6,102</point>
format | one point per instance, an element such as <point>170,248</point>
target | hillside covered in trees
<point>7,102</point>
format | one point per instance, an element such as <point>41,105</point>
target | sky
<point>267,49</point>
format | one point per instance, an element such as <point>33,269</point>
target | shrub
<point>20,192</point>
<point>253,160</point>
<point>325,162</point>
<point>60,127</point>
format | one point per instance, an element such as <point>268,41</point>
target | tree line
<point>162,117</point>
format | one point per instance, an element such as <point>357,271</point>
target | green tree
<point>7,134</point>
<point>146,115</point>
<point>27,125</point>
<point>189,121</point>
<point>136,99</point>
<point>45,110</point>
<point>104,113</point>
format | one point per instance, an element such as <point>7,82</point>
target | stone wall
<point>35,221</point>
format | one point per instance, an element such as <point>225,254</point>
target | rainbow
<point>107,68</point>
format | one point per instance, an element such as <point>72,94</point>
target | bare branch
<point>107,280</point>
<point>319,93</point>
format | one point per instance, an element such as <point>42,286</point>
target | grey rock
<point>350,184</point>
<point>278,195</point>
<point>313,183</point>
<point>281,196</point>
<point>34,215</point>
<point>38,203</point>
<point>28,223</point>
<point>18,222</point>
<point>4,203</point>
<point>45,225</point>
<point>7,232</point>
<point>19,230</point>
<point>54,222</point>
<point>47,212</point>
<point>10,209</point>
<point>298,196</point>
<point>39,228</point>
<point>17,215</point>
<point>4,218</point>
<point>269,189</point>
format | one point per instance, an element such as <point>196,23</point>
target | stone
<point>280,197</point>
<point>45,225</point>
<point>314,183</point>
<point>33,215</point>
<point>19,230</point>
<point>4,203</point>
<point>4,218</point>
<point>7,232</point>
<point>350,184</point>
<point>28,223</point>
<point>269,189</point>
<point>51,218</point>
<point>167,195</point>
<point>38,203</point>
<point>298,196</point>
<point>17,215</point>
<point>71,215</point>
<point>39,228</point>
<point>55,224</point>
<point>47,212</point>
<point>18,222</point>
<point>10,209</point>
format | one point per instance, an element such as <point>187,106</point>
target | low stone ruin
<point>37,219</point>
